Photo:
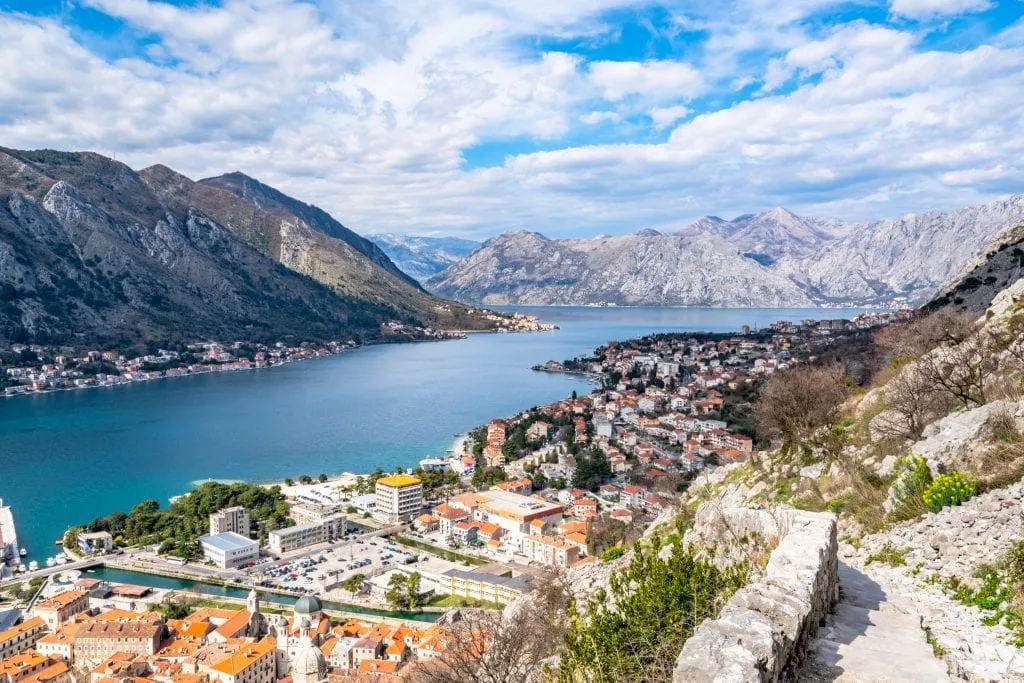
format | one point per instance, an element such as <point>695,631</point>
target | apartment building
<point>234,519</point>
<point>292,538</point>
<point>399,498</point>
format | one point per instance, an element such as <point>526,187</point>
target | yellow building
<point>399,498</point>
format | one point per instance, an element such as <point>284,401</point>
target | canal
<point>216,591</point>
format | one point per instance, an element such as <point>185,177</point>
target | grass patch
<point>937,648</point>
<point>894,557</point>
<point>460,601</point>
<point>440,552</point>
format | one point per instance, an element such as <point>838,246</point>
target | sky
<point>567,117</point>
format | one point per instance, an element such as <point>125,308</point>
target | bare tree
<point>796,403</point>
<point>911,402</point>
<point>963,370</point>
<point>482,646</point>
<point>911,340</point>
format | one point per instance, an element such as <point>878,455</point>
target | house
<point>538,431</point>
<point>632,496</point>
<point>59,609</point>
<point>425,523</point>
<point>547,550</point>
<point>523,486</point>
<point>97,542</point>
<point>609,491</point>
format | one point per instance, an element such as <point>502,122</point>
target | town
<point>27,369</point>
<point>520,499</point>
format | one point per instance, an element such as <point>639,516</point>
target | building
<point>96,542</point>
<point>399,498</point>
<point>480,585</point>
<point>95,641</point>
<point>513,512</point>
<point>291,538</point>
<point>22,666</point>
<point>21,637</point>
<point>59,609</point>
<point>234,519</point>
<point>251,663</point>
<point>554,552</point>
<point>229,550</point>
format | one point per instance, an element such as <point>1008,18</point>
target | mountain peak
<point>649,232</point>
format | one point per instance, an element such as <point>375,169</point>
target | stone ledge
<point>762,632</point>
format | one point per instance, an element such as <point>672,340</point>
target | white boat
<point>50,562</point>
<point>62,560</point>
<point>23,552</point>
<point>33,565</point>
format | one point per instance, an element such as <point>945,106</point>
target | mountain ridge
<point>93,252</point>
<point>798,261</point>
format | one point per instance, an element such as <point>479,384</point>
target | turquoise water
<point>69,456</point>
<point>169,583</point>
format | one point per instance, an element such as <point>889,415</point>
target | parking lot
<point>322,569</point>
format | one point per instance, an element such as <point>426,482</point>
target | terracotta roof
<point>235,625</point>
<point>244,657</point>
<point>23,627</point>
<point>61,600</point>
<point>58,668</point>
<point>24,660</point>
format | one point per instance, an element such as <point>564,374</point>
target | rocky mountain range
<point>93,252</point>
<point>774,258</point>
<point>422,257</point>
<point>992,270</point>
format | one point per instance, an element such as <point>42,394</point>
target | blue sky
<point>572,118</point>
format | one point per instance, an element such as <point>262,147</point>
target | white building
<point>234,519</point>
<point>603,426</point>
<point>229,550</point>
<point>302,535</point>
<point>399,498</point>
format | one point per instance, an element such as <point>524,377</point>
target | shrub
<point>612,553</point>
<point>949,489</point>
<point>912,479</point>
<point>894,557</point>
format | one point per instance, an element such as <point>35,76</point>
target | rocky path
<point>873,637</point>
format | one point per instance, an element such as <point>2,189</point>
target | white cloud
<point>663,117</point>
<point>595,117</point>
<point>372,109</point>
<point>655,79</point>
<point>923,9</point>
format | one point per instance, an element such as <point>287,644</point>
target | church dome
<point>307,604</point>
<point>308,664</point>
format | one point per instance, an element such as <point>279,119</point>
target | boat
<point>33,565</point>
<point>23,552</point>
<point>50,562</point>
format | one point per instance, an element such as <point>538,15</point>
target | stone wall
<point>762,632</point>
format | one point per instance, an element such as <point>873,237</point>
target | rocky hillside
<point>980,280</point>
<point>92,252</point>
<point>774,258</point>
<point>422,257</point>
<point>648,268</point>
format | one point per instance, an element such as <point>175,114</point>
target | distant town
<point>517,500</point>
<point>27,369</point>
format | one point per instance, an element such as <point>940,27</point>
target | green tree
<point>321,477</point>
<point>354,583</point>
<point>634,630</point>
<point>288,481</point>
<point>398,591</point>
<point>412,588</point>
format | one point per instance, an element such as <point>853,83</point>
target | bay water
<point>66,457</point>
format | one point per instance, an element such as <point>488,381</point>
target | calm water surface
<point>67,457</point>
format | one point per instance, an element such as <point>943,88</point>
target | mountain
<point>765,259</point>
<point>643,269</point>
<point>95,253</point>
<point>422,257</point>
<point>998,266</point>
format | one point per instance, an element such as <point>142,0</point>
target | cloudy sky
<point>570,117</point>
